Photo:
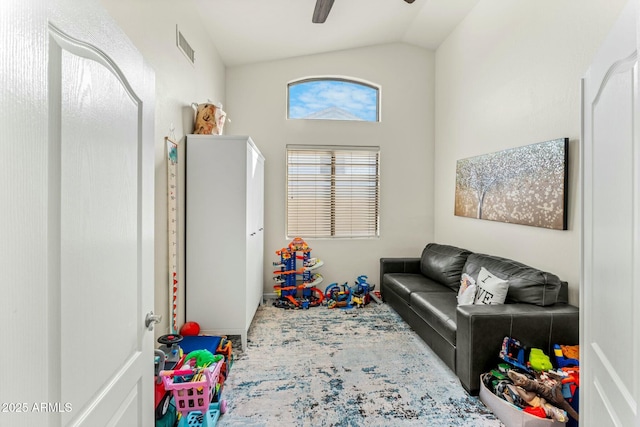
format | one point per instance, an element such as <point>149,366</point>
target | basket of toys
<point>193,390</point>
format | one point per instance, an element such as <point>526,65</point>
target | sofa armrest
<point>482,328</point>
<point>398,265</point>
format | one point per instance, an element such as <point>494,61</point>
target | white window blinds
<point>333,191</point>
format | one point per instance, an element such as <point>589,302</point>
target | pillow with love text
<point>490,288</point>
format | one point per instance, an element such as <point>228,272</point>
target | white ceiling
<point>247,31</point>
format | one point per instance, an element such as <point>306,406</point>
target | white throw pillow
<point>491,289</point>
<point>467,291</point>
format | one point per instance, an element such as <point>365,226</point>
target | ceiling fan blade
<point>320,13</point>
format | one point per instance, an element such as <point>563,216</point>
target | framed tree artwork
<point>524,185</point>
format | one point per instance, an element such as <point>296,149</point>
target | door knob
<point>151,319</point>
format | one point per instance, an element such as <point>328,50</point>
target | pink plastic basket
<point>192,395</point>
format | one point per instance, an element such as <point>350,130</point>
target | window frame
<point>351,80</point>
<point>370,216</point>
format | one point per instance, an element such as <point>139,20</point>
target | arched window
<point>333,98</point>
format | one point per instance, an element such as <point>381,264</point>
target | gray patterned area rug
<point>335,367</point>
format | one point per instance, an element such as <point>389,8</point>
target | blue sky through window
<point>333,100</point>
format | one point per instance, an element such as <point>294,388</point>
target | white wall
<point>152,29</point>
<point>256,104</point>
<point>509,76</point>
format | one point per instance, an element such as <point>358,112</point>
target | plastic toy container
<point>196,419</point>
<point>192,393</point>
<point>216,345</point>
<point>510,415</point>
<point>198,342</point>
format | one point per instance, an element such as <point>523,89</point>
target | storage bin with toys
<point>528,390</point>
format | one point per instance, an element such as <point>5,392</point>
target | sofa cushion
<point>444,263</point>
<point>438,310</point>
<point>526,284</point>
<point>404,284</point>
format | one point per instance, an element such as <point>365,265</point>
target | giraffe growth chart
<point>172,229</point>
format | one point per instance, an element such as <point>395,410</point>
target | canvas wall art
<point>524,185</point>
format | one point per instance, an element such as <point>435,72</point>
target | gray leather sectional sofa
<point>468,338</point>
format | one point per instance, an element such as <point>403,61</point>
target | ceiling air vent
<point>185,47</point>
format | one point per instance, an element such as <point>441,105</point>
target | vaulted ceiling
<point>247,31</point>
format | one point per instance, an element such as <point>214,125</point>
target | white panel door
<point>610,320</point>
<point>250,274</point>
<point>255,242</point>
<point>259,184</point>
<point>84,210</point>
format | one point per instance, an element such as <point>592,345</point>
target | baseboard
<point>269,296</point>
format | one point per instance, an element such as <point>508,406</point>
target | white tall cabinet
<point>224,233</point>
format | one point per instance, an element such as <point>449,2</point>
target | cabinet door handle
<point>253,234</point>
<point>260,229</point>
